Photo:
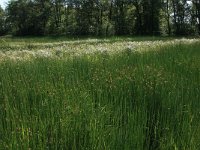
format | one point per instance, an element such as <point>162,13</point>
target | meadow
<point>99,94</point>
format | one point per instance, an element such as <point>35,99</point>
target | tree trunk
<point>168,19</point>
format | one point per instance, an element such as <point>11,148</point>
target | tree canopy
<point>2,22</point>
<point>101,17</point>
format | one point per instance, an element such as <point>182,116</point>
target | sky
<point>3,3</point>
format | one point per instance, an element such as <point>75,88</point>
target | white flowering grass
<point>28,49</point>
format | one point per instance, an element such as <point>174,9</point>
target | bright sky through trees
<point>3,3</point>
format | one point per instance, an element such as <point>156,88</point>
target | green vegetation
<point>100,17</point>
<point>130,99</point>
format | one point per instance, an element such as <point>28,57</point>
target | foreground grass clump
<point>130,100</point>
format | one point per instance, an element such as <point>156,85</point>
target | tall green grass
<point>129,100</point>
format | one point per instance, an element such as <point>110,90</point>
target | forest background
<point>100,17</point>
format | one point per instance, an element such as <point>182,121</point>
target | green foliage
<point>28,17</point>
<point>103,17</point>
<point>3,28</point>
<point>129,100</point>
<point>181,18</point>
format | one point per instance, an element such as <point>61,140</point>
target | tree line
<point>101,17</point>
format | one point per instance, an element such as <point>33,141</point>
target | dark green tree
<point>181,17</point>
<point>41,15</point>
<point>85,17</point>
<point>3,28</point>
<point>147,14</point>
<point>196,14</point>
<point>120,23</point>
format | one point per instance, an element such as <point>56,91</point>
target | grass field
<point>100,94</point>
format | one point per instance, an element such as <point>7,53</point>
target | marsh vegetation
<point>100,94</point>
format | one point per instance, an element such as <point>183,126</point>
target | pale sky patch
<point>3,3</point>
